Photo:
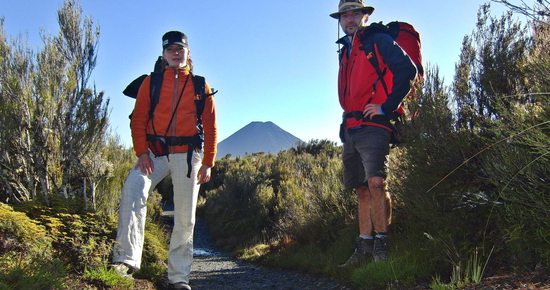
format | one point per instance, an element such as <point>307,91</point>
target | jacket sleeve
<point>402,67</point>
<point>210,130</point>
<point>140,118</point>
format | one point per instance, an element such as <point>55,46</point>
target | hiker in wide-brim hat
<point>352,5</point>
<point>366,130</point>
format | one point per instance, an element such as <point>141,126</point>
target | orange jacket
<point>184,122</point>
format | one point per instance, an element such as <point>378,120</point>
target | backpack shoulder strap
<point>377,27</point>
<point>199,82</point>
<point>369,47</point>
<point>374,61</point>
<point>156,85</point>
<point>200,85</point>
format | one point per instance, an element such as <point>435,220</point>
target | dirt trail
<point>214,270</point>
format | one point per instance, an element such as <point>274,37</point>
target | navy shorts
<point>365,152</point>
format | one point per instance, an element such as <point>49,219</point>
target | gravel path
<point>214,270</point>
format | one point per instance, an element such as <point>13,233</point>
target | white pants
<point>133,209</point>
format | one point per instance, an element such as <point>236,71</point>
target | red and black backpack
<point>404,34</point>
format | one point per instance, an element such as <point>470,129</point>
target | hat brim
<point>366,10</point>
<point>178,43</point>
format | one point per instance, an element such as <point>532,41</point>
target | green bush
<point>32,236</point>
<point>26,253</point>
<point>155,252</point>
<point>21,238</point>
<point>40,274</point>
<point>294,195</point>
<point>520,166</point>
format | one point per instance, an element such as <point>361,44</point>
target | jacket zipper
<point>172,125</point>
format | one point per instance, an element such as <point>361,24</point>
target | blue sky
<point>270,60</point>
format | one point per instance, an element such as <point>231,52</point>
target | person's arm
<point>210,138</point>
<point>140,118</point>
<point>402,67</point>
<point>210,130</point>
<point>138,125</point>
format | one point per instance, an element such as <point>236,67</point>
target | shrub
<point>295,195</point>
<point>26,254</point>
<point>20,235</point>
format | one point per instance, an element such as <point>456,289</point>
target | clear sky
<point>271,60</point>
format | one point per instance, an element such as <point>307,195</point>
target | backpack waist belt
<point>193,142</point>
<point>358,115</point>
<point>378,119</point>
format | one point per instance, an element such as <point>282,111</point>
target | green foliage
<point>513,152</point>
<point>472,176</point>
<point>155,249</point>
<point>484,163</point>
<point>520,164</point>
<point>155,252</point>
<point>466,268</point>
<point>265,198</point>
<point>520,167</point>
<point>32,235</point>
<point>81,240</point>
<point>41,274</point>
<point>411,262</point>
<point>109,188</point>
<point>316,147</point>
<point>428,198</point>
<point>26,254</point>
<point>386,274</point>
<point>55,126</point>
<point>19,233</point>
<point>103,277</point>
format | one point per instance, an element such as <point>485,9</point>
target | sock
<point>366,237</point>
<point>381,235</point>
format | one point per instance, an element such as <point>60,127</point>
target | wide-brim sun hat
<point>352,5</point>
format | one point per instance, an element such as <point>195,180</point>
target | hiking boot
<point>362,253</point>
<point>122,269</point>
<point>180,285</point>
<point>380,252</point>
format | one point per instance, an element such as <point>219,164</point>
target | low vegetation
<point>470,183</point>
<point>45,248</point>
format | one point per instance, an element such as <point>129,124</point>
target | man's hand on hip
<point>372,110</point>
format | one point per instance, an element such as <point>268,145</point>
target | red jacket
<point>185,119</point>
<point>358,83</point>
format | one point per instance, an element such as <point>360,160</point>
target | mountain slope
<point>257,137</point>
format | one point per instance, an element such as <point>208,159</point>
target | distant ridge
<point>257,137</point>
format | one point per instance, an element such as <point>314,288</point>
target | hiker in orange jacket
<point>167,141</point>
<point>366,130</point>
